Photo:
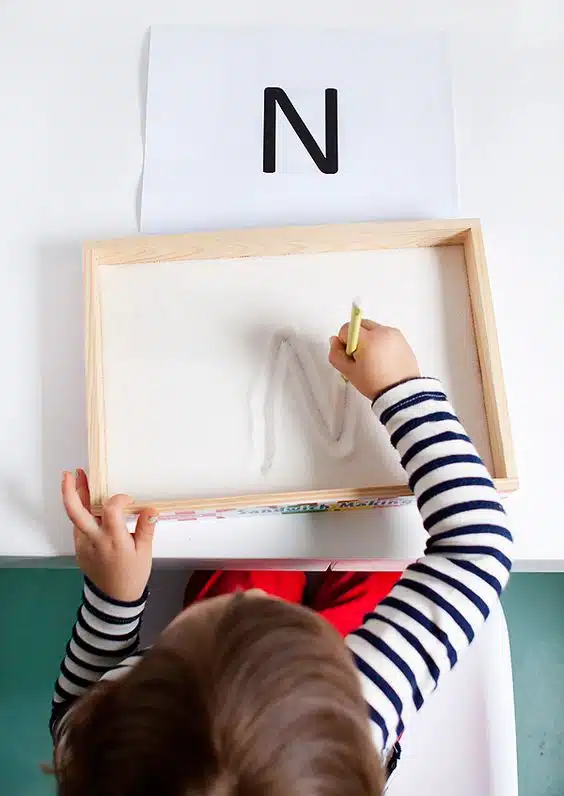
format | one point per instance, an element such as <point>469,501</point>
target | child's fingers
<point>365,325</point>
<point>83,489</point>
<point>82,541</point>
<point>77,513</point>
<point>113,518</point>
<point>338,357</point>
<point>145,528</point>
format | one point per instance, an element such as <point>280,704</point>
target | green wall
<point>37,613</point>
<point>38,608</point>
<point>534,606</point>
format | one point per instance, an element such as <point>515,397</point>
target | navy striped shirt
<point>431,615</point>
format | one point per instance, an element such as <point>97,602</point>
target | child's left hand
<point>116,561</point>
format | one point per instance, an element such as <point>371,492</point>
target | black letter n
<point>328,163</point>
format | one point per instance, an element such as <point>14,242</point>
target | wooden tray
<point>173,324</point>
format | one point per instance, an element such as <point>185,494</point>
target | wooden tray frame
<point>286,241</point>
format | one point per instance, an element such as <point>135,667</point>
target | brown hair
<point>265,702</point>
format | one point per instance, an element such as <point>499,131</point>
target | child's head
<point>241,696</point>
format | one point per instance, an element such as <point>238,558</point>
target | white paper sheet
<point>204,128</point>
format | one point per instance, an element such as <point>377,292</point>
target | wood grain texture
<point>232,244</point>
<point>503,485</point>
<point>495,401</point>
<point>287,241</point>
<point>97,452</point>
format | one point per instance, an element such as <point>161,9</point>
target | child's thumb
<point>145,528</point>
<point>338,357</point>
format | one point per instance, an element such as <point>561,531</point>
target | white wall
<point>71,83</point>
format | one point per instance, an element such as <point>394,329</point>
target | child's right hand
<point>383,358</point>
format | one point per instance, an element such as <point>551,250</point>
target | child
<point>246,695</point>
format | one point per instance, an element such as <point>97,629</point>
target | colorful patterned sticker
<point>293,508</point>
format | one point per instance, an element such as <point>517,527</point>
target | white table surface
<point>71,81</point>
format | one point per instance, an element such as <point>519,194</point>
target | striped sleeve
<point>104,638</point>
<point>432,614</point>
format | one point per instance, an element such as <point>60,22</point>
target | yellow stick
<point>354,328</point>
